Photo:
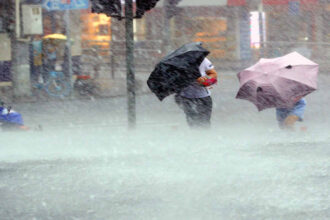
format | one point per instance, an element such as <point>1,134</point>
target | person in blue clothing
<point>287,117</point>
<point>37,60</point>
<point>10,119</point>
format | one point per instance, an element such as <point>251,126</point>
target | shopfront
<point>218,27</point>
<point>295,25</point>
<point>5,44</point>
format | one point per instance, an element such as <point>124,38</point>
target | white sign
<point>32,19</point>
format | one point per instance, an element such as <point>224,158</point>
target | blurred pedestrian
<point>195,99</point>
<point>37,59</point>
<point>52,56</point>
<point>287,117</point>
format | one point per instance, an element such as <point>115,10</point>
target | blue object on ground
<point>11,117</point>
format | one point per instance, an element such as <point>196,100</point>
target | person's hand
<point>202,79</point>
<point>206,81</point>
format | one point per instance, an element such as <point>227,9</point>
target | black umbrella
<point>177,70</point>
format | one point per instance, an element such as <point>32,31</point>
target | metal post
<point>318,32</point>
<point>130,63</point>
<point>52,21</point>
<point>112,57</point>
<point>261,30</point>
<point>68,45</point>
<point>17,18</point>
<point>20,66</point>
<point>166,28</point>
<point>14,47</point>
<point>31,59</point>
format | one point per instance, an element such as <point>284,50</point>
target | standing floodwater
<point>85,164</point>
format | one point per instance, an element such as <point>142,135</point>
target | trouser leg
<point>204,108</point>
<point>37,71</point>
<point>197,110</point>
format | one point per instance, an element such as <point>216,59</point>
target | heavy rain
<point>88,131</point>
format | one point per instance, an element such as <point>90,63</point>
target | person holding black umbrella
<point>195,99</point>
<point>187,73</point>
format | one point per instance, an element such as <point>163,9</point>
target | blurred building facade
<point>237,32</point>
<point>298,25</point>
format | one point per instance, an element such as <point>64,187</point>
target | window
<point>255,29</point>
<point>103,29</point>
<point>139,29</point>
<point>212,31</point>
<point>36,11</point>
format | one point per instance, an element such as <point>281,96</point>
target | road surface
<point>85,164</point>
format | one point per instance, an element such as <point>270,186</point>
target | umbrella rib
<point>294,81</point>
<point>250,71</point>
<point>252,78</point>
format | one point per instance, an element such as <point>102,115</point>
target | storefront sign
<point>53,5</point>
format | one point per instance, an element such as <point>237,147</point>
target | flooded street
<point>85,163</point>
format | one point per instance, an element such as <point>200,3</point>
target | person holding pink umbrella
<point>280,83</point>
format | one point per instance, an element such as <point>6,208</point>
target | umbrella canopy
<point>177,70</point>
<point>279,82</point>
<point>55,37</point>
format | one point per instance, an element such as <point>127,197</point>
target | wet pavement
<point>86,164</point>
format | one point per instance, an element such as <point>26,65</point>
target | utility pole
<point>166,28</point>
<point>130,63</point>
<point>20,68</point>
<point>68,45</point>
<point>13,42</point>
<point>261,29</point>
<point>114,9</point>
<point>170,9</point>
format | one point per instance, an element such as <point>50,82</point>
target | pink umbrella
<point>279,82</point>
